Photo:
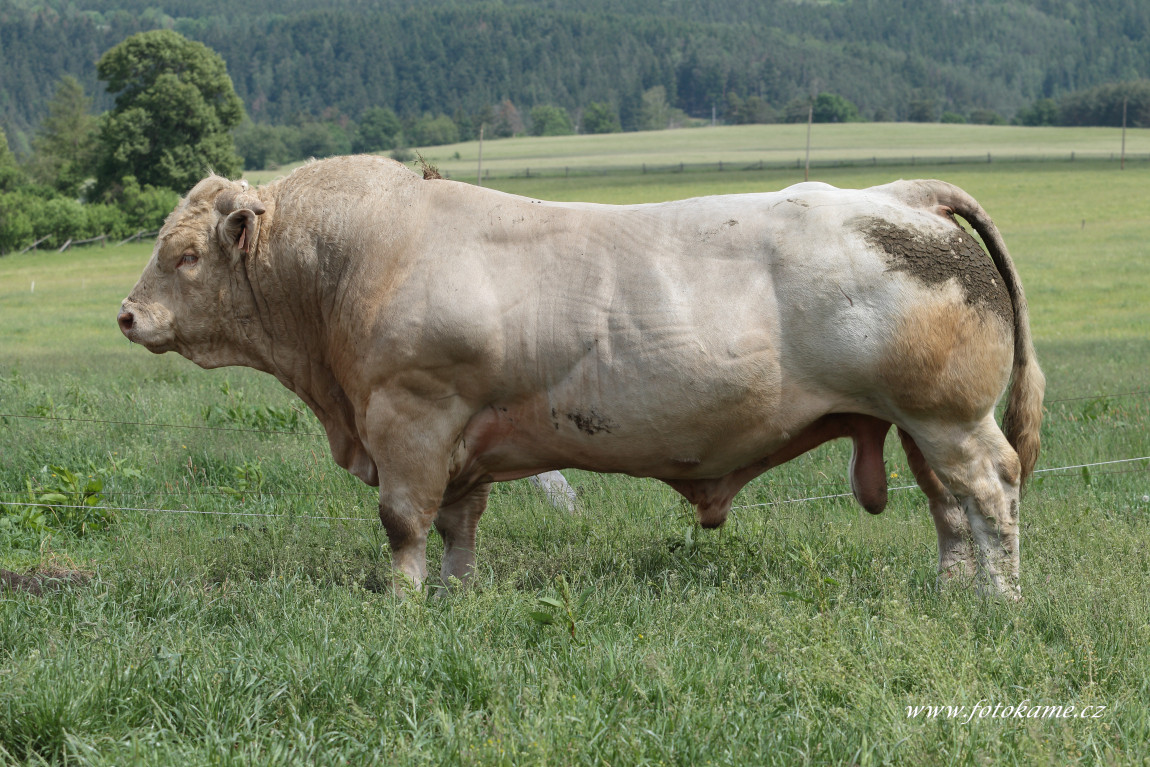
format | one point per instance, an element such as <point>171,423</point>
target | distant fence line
<point>723,166</point>
<point>102,239</point>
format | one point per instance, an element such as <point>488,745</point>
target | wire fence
<point>720,166</point>
<point>193,492</point>
<point>297,433</point>
<point>199,427</point>
<point>320,518</point>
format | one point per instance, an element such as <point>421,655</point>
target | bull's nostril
<point>126,319</point>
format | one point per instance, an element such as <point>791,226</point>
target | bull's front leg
<point>457,523</point>
<point>410,438</point>
<point>407,524</point>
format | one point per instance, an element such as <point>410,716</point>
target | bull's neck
<point>287,293</point>
<point>306,278</point>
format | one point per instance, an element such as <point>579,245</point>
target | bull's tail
<point>1022,420</point>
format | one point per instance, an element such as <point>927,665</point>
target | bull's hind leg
<point>456,523</point>
<point>955,554</point>
<point>982,471</point>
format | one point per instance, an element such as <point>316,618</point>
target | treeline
<point>169,108</point>
<point>380,129</point>
<point>174,111</point>
<point>42,215</point>
<point>1112,104</point>
<point>303,60</point>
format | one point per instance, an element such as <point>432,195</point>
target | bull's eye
<point>188,259</point>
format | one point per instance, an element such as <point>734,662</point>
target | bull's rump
<point>688,339</point>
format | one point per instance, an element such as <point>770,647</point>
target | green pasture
<point>622,634</point>
<point>740,147</point>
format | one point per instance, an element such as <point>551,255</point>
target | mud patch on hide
<point>934,257</point>
<point>590,422</point>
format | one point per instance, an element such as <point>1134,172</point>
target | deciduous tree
<point>550,120</point>
<point>379,129</point>
<point>600,117</point>
<point>175,108</point>
<point>654,111</point>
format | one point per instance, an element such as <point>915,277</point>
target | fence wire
<point>319,518</point>
<point>164,425</point>
<point>292,433</point>
<point>323,496</point>
<point>259,494</point>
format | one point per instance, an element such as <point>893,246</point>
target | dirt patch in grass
<point>38,582</point>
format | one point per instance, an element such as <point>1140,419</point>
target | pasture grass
<point>743,146</point>
<point>797,634</point>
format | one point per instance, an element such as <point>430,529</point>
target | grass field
<point>744,146</point>
<point>798,634</point>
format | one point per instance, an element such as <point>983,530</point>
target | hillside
<point>338,57</point>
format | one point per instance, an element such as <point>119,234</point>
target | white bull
<point>449,336</point>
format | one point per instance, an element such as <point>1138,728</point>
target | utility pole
<point>479,169</point>
<point>1122,166</point>
<point>810,119</point>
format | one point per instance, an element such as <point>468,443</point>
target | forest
<point>110,110</point>
<point>302,60</point>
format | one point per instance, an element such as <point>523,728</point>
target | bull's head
<point>194,296</point>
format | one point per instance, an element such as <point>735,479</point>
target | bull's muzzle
<point>126,320</point>
<point>147,325</point>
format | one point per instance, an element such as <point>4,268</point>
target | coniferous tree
<point>10,174</point>
<point>65,144</point>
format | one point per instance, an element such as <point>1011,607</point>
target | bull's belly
<point>505,442</point>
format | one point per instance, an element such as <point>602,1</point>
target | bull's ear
<point>238,230</point>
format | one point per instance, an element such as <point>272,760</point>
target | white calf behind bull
<point>449,336</point>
